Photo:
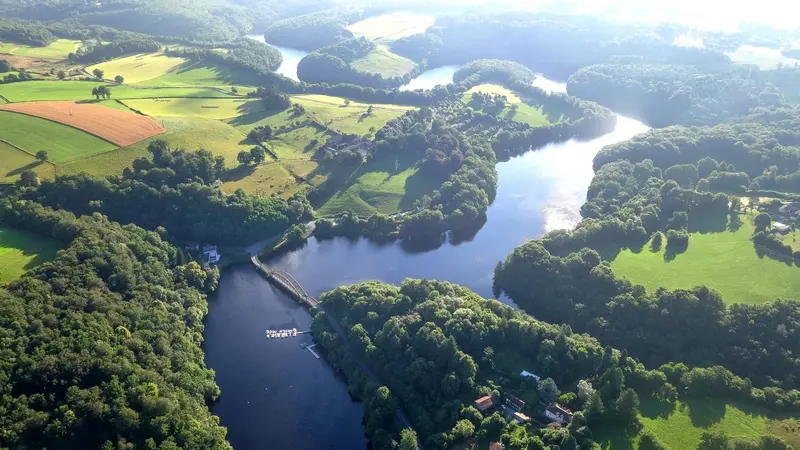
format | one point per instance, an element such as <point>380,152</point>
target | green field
<point>14,161</point>
<point>82,90</point>
<point>726,261</point>
<point>384,62</point>
<point>62,143</point>
<point>681,425</point>
<point>188,133</point>
<point>138,68</point>
<point>264,179</point>
<point>372,192</point>
<point>201,74</point>
<point>526,113</point>
<point>21,251</point>
<point>392,26</point>
<point>59,49</point>
<point>350,119</point>
<point>216,108</point>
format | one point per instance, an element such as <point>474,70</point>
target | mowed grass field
<point>138,68</point>
<point>526,113</point>
<point>348,119</point>
<point>680,426</point>
<point>14,161</point>
<point>208,108</point>
<point>58,49</point>
<point>392,26</point>
<point>384,62</point>
<point>82,90</point>
<point>21,251</point>
<point>61,142</point>
<point>726,261</point>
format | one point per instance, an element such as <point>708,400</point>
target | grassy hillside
<point>14,161</point>
<point>216,108</point>
<point>58,49</point>
<point>82,90</point>
<point>62,143</point>
<point>383,61</point>
<point>526,113</point>
<point>351,118</point>
<point>138,68</point>
<point>391,26</point>
<point>21,251</point>
<point>726,261</point>
<point>201,74</point>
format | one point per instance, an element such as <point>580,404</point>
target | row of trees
<point>114,49</point>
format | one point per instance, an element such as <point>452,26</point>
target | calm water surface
<point>275,394</point>
<point>432,78</point>
<point>291,58</point>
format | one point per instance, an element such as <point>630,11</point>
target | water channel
<point>275,395</point>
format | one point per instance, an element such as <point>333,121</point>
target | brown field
<point>115,126</point>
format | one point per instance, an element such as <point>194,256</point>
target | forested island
<point>146,147</point>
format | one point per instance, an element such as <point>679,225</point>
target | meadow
<point>195,107</point>
<point>348,118</point>
<point>82,90</point>
<point>61,142</point>
<point>193,73</point>
<point>392,26</point>
<point>138,68</point>
<point>58,49</point>
<point>726,261</point>
<point>526,113</point>
<point>384,62</point>
<point>14,161</point>
<point>21,251</point>
<point>680,425</point>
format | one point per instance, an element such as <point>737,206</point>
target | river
<point>275,394</point>
<point>291,57</point>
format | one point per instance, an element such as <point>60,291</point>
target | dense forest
<point>438,346</point>
<point>314,30</point>
<point>101,346</point>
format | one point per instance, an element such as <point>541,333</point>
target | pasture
<point>726,261</point>
<point>349,119</point>
<point>21,251</point>
<point>82,90</point>
<point>14,161</point>
<point>372,192</point>
<point>58,49</point>
<point>264,179</point>
<point>764,57</point>
<point>207,108</point>
<point>382,61</point>
<point>61,142</point>
<point>192,73</point>
<point>113,125</point>
<point>525,113</point>
<point>392,26</point>
<point>138,68</point>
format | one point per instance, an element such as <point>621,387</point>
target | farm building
<point>486,402</point>
<point>558,414</point>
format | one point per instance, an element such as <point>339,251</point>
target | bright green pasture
<point>62,143</point>
<point>82,90</point>
<point>526,113</point>
<point>726,261</point>
<point>349,119</point>
<point>208,108</point>
<point>21,251</point>
<point>372,192</point>
<point>14,161</point>
<point>138,68</point>
<point>59,49</point>
<point>384,62</point>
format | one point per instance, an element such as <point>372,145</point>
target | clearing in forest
<point>58,49</point>
<point>382,61</point>
<point>392,26</point>
<point>725,260</point>
<point>14,161</point>
<point>116,126</point>
<point>82,90</point>
<point>209,108</point>
<point>61,142</point>
<point>21,251</point>
<point>525,113</point>
<point>138,68</point>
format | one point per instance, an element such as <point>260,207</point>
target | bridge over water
<point>286,282</point>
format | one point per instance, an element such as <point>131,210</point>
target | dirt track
<point>118,127</point>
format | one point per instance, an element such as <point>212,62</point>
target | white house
<point>525,373</point>
<point>211,254</point>
<point>781,227</point>
<point>557,413</point>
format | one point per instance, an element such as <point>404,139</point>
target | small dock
<point>283,334</point>
<point>310,348</point>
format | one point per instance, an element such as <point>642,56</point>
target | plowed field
<point>118,127</point>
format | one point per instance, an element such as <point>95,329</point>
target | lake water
<point>275,394</point>
<point>432,78</point>
<point>291,58</point>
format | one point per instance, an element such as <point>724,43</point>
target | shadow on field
<point>239,173</point>
<point>251,113</point>
<point>19,170</point>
